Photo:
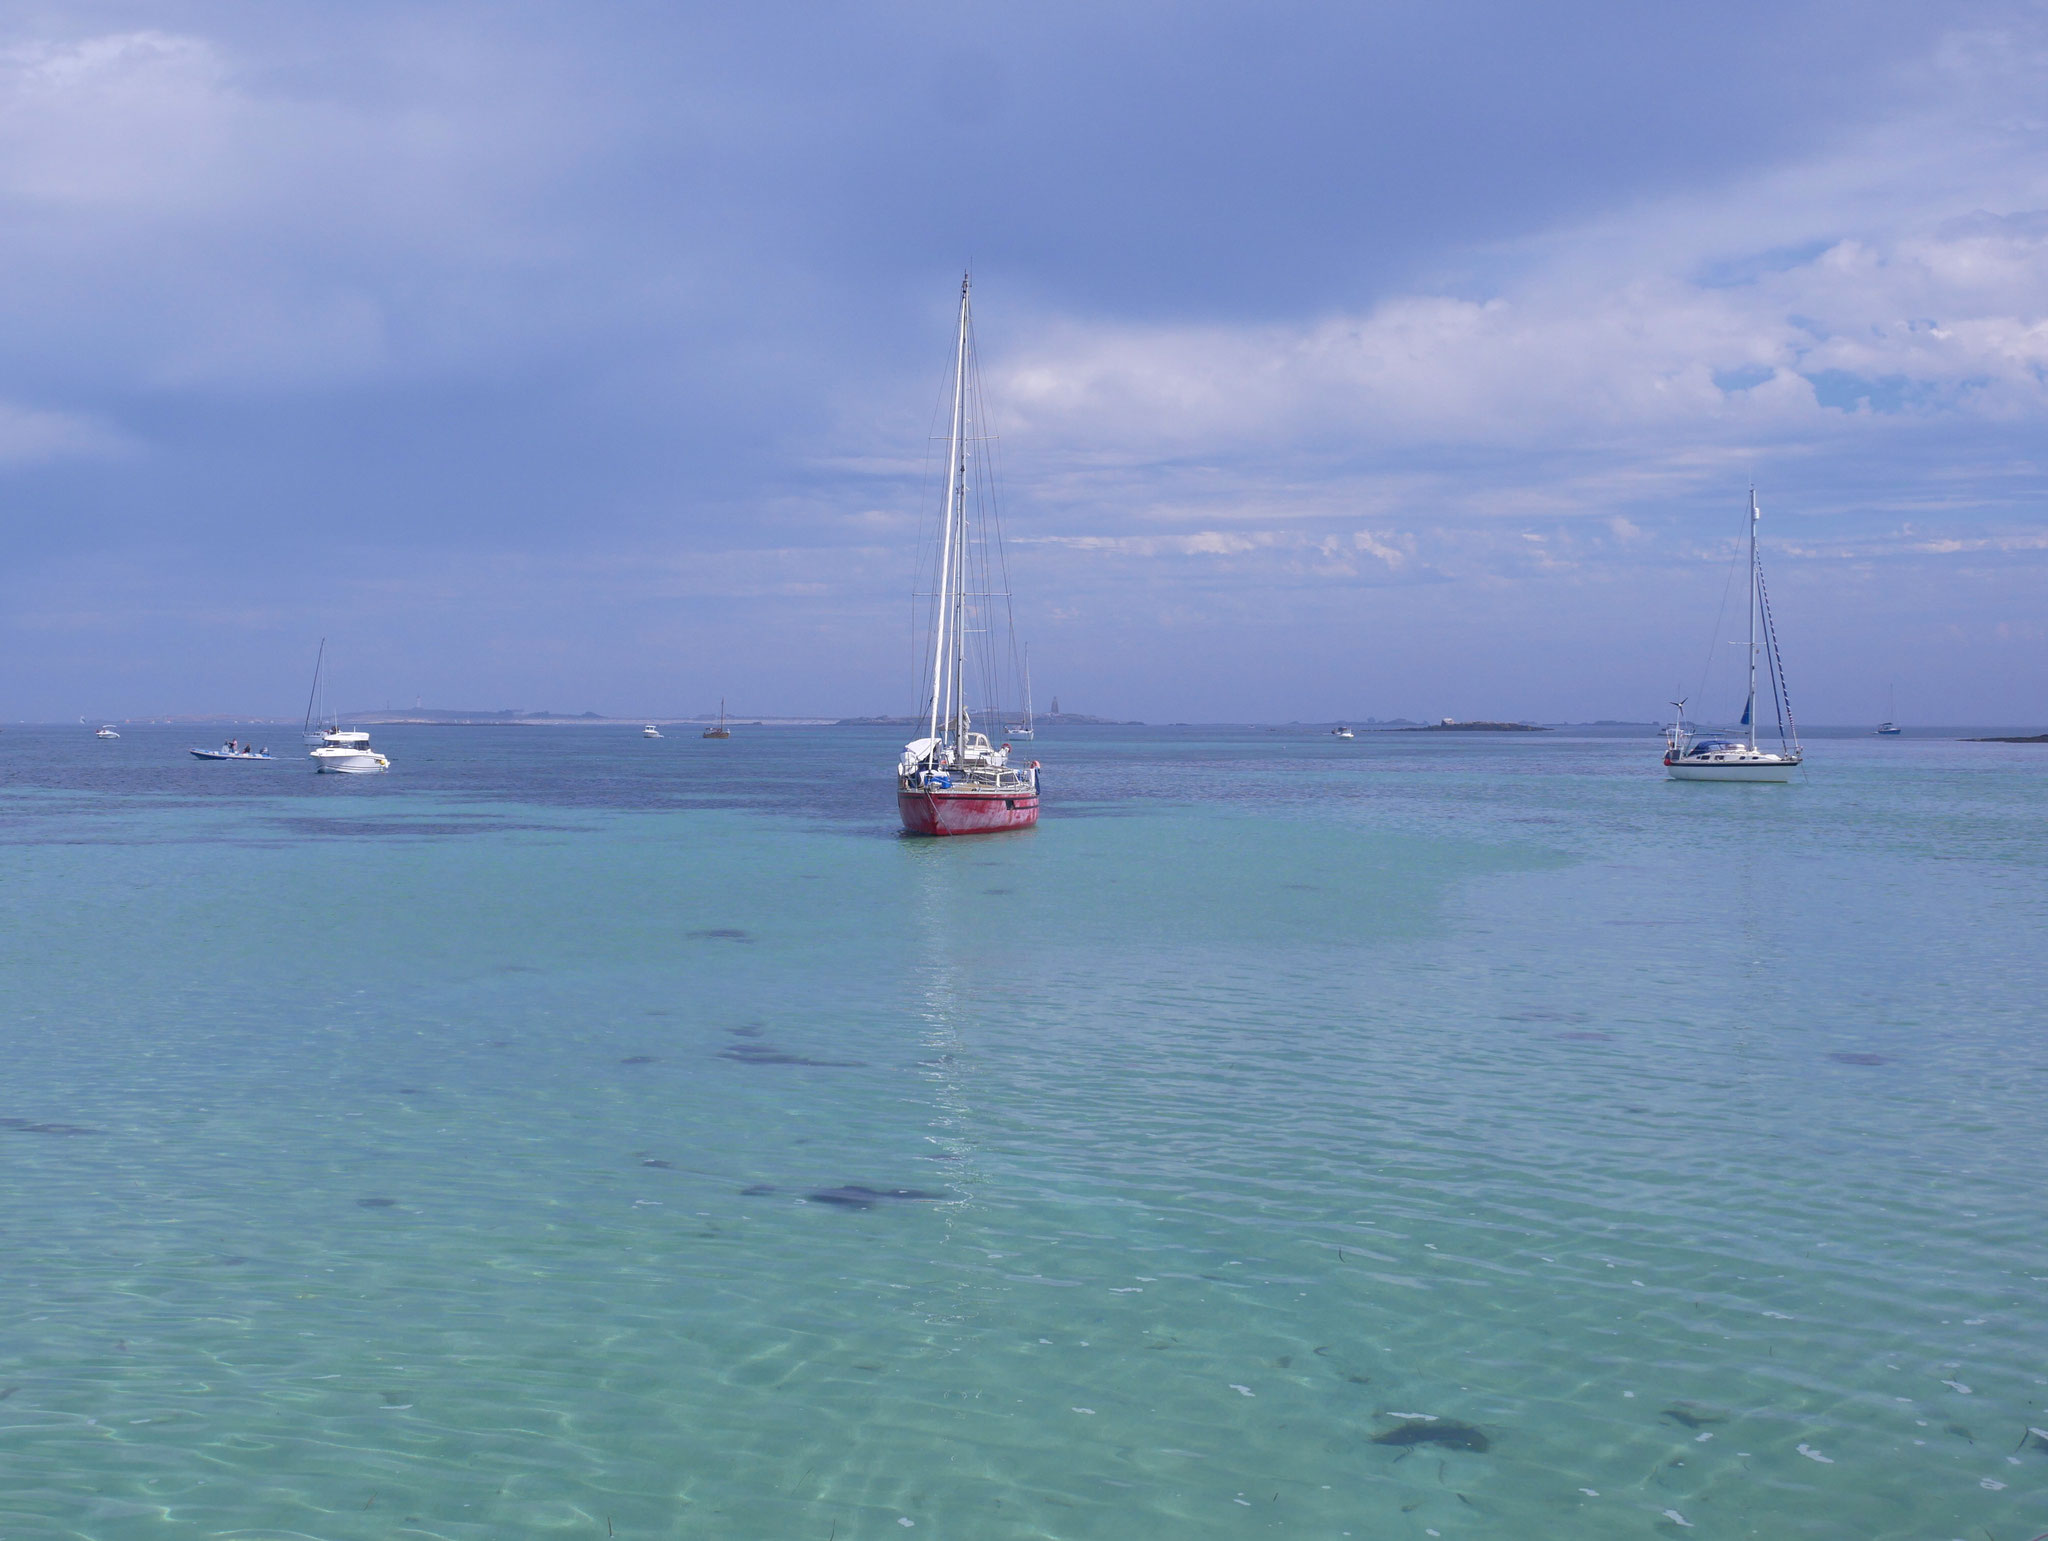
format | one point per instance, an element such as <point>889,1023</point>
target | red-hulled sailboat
<point>953,781</point>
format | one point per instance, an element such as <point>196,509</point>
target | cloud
<point>131,121</point>
<point>1953,320</point>
<point>30,436</point>
<point>596,322</point>
<point>365,201</point>
<point>1885,298</point>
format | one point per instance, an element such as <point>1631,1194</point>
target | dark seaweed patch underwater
<point>1448,1432</point>
<point>854,1196</point>
<point>30,1126</point>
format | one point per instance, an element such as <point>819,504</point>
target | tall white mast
<point>960,543</point>
<point>940,683</point>
<point>1751,713</point>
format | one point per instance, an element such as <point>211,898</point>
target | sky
<point>1348,360</point>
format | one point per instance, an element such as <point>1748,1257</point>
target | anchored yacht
<point>1690,755</point>
<point>348,752</point>
<point>334,748</point>
<point>953,781</point>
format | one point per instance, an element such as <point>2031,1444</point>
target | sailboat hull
<point>962,812</point>
<point>1781,771</point>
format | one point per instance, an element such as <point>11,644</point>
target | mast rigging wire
<point>1778,686</point>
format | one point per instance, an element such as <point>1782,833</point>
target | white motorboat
<point>335,748</point>
<point>1342,732</point>
<point>650,731</point>
<point>1691,755</point>
<point>107,732</point>
<point>349,753</point>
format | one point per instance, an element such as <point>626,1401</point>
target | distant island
<point>1452,725</point>
<point>431,716</point>
<point>1043,719</point>
<point>2038,738</point>
<point>434,717</point>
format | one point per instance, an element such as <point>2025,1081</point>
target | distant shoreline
<point>206,722</point>
<point>1043,720</point>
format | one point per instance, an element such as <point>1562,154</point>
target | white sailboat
<point>1028,728</point>
<point>1890,728</point>
<point>316,702</point>
<point>1691,755</point>
<point>953,781</point>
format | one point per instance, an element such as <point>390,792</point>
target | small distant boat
<point>650,731</point>
<point>953,781</point>
<point>1691,756</point>
<point>1342,732</point>
<point>721,731</point>
<point>1888,728</point>
<point>107,732</point>
<point>1029,727</point>
<point>348,753</point>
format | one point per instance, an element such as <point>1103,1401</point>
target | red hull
<point>965,813</point>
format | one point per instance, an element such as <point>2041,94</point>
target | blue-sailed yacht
<point>1694,756</point>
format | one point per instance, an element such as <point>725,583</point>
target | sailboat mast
<point>957,697</point>
<point>961,549</point>
<point>1750,715</point>
<point>313,695</point>
<point>940,657</point>
<point>1029,723</point>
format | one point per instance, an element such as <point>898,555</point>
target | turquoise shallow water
<point>435,1155</point>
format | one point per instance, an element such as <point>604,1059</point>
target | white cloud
<point>29,435</point>
<point>1894,286</point>
<point>182,213</point>
<point>1957,320</point>
<point>134,120</point>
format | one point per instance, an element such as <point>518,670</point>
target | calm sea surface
<point>570,1134</point>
